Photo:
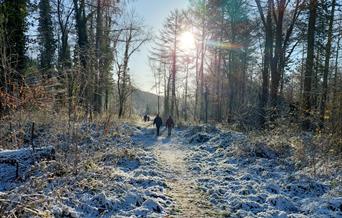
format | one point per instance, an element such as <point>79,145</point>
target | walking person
<point>169,125</point>
<point>158,122</point>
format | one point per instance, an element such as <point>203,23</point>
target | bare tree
<point>130,38</point>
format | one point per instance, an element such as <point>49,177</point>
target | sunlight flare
<point>187,41</point>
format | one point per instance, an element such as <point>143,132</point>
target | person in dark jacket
<point>169,125</point>
<point>158,122</point>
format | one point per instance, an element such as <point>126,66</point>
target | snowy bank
<point>245,179</point>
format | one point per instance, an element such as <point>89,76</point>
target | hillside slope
<point>145,102</point>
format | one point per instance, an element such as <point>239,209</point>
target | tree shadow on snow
<point>147,138</point>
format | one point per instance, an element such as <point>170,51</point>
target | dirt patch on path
<point>190,201</point>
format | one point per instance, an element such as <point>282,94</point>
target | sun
<point>187,41</point>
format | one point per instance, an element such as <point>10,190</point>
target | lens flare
<point>224,45</point>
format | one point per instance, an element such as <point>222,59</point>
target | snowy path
<point>190,201</point>
<point>201,171</point>
<point>208,174</point>
<point>171,155</point>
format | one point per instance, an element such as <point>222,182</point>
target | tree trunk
<point>201,72</point>
<point>99,59</point>
<point>186,92</point>
<point>335,88</point>
<point>267,61</point>
<point>174,67</point>
<point>82,41</point>
<point>309,64</point>
<point>275,69</point>
<point>196,113</point>
<point>206,99</point>
<point>327,64</point>
<point>302,69</point>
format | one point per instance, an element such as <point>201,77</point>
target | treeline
<point>82,56</point>
<point>253,63</point>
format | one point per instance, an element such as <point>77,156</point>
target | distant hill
<point>145,101</point>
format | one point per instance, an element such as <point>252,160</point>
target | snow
<point>247,180</point>
<point>115,178</point>
<point>24,158</point>
<point>131,173</point>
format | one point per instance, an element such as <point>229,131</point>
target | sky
<point>154,13</point>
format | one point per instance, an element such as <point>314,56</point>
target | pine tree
<point>47,42</point>
<point>168,42</point>
<point>167,52</point>
<point>15,12</point>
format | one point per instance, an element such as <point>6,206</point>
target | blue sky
<point>154,13</point>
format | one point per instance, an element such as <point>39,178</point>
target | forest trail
<point>190,201</point>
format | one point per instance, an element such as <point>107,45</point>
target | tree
<point>156,67</point>
<point>201,12</point>
<point>284,51</point>
<point>13,25</point>
<point>95,26</point>
<point>81,27</point>
<point>104,53</point>
<point>64,12</point>
<point>46,39</point>
<point>238,36</point>
<point>309,63</point>
<point>81,20</point>
<point>267,23</point>
<point>186,90</point>
<point>130,38</point>
<point>327,62</point>
<point>3,63</point>
<point>277,42</point>
<point>14,15</point>
<point>170,38</point>
<point>167,54</point>
<point>336,118</point>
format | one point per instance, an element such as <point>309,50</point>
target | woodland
<point>254,86</point>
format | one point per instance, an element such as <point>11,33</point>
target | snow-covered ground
<point>200,172</point>
<point>116,177</point>
<point>251,181</point>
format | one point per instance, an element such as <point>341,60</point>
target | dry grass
<point>317,152</point>
<point>80,163</point>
